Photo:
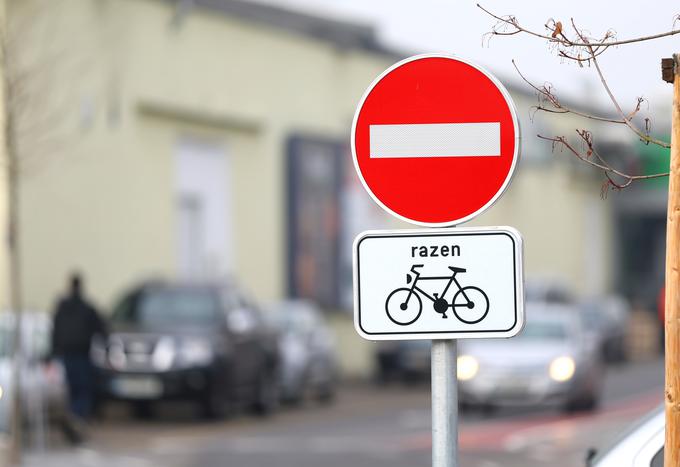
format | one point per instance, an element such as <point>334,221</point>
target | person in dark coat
<point>76,323</point>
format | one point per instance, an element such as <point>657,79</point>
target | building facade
<point>211,138</point>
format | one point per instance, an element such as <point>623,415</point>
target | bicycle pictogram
<point>404,305</point>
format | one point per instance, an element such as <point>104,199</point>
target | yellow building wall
<point>4,257</point>
<point>4,254</point>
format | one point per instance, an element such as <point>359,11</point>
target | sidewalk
<point>81,457</point>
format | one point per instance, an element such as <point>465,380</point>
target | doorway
<point>203,208</point>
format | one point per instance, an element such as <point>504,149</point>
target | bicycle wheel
<point>474,310</point>
<point>400,312</point>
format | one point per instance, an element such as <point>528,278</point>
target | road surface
<point>366,427</point>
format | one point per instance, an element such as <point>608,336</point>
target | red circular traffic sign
<point>435,140</point>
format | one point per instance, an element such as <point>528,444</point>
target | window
<point>314,184</point>
<point>546,330</point>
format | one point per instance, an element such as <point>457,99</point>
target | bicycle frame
<point>451,280</point>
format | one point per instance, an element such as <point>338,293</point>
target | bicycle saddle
<point>455,269</point>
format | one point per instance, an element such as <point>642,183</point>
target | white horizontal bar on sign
<point>435,140</point>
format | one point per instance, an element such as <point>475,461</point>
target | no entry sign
<point>435,140</point>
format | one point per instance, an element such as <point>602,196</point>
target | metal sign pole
<point>444,404</point>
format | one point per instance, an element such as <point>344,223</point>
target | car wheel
<point>143,410</point>
<point>464,407</point>
<point>487,409</point>
<point>213,405</point>
<point>386,370</point>
<point>586,403</point>
<point>382,376</point>
<point>413,377</point>
<point>267,393</point>
<point>616,351</point>
<point>293,399</point>
<point>294,394</point>
<point>325,392</point>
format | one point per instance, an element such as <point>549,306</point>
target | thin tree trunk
<point>16,307</point>
<point>15,302</point>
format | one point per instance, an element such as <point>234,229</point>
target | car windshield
<point>169,307</point>
<point>549,294</point>
<point>290,319</point>
<point>592,317</point>
<point>544,330</point>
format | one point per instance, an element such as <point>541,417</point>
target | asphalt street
<point>367,426</point>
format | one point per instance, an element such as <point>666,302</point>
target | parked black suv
<point>206,343</point>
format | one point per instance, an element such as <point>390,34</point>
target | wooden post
<point>672,316</point>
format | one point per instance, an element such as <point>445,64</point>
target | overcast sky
<point>457,26</point>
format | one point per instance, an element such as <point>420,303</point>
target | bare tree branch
<point>583,49</point>
<point>558,36</point>
<point>643,135</point>
<point>600,164</point>
<point>546,94</point>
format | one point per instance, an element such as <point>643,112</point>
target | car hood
<point>516,354</point>
<point>161,330</point>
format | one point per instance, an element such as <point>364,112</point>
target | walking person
<point>76,323</point>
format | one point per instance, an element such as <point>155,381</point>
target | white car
<point>641,446</point>
<point>548,363</point>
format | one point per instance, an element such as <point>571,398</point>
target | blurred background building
<point>210,138</point>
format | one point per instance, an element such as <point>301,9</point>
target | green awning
<point>654,159</point>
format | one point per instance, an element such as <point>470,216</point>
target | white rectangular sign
<point>438,284</point>
<point>435,140</point>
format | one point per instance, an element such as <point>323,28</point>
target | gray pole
<point>444,404</point>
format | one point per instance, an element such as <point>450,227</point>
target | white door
<point>203,207</point>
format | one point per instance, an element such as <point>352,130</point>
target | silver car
<point>307,351</point>
<point>641,446</point>
<point>548,363</point>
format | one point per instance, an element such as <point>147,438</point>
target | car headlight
<point>163,354</point>
<point>195,352</point>
<point>562,369</point>
<point>467,367</point>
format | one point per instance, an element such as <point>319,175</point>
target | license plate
<point>514,387</point>
<point>137,387</point>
